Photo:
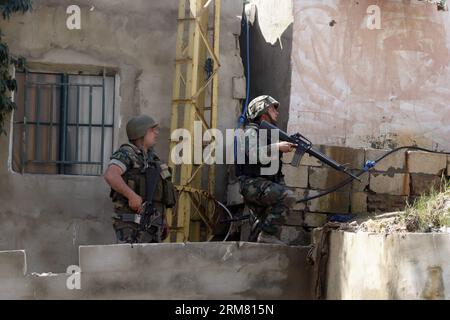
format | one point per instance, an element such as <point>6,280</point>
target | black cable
<point>366,169</point>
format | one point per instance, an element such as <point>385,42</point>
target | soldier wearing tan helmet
<point>126,175</point>
<point>266,193</point>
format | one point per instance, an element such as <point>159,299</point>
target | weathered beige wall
<point>49,215</point>
<point>356,87</point>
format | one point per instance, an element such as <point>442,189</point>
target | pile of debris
<point>429,213</point>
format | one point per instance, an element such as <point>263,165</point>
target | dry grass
<point>429,212</point>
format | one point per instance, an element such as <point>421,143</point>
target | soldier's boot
<point>265,237</point>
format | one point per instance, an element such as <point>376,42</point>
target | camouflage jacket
<point>134,162</point>
<point>250,146</point>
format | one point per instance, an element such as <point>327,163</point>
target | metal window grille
<point>64,123</point>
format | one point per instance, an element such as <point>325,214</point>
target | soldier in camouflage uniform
<point>264,191</point>
<point>126,174</point>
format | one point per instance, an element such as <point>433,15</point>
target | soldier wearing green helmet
<point>126,175</point>
<point>267,194</point>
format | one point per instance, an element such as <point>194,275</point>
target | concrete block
<point>294,218</point>
<point>239,88</point>
<point>234,197</point>
<point>360,185</point>
<point>382,203</point>
<point>394,162</point>
<point>424,162</point>
<point>326,177</point>
<point>422,183</point>
<point>358,202</point>
<point>395,184</point>
<point>296,177</point>
<point>315,219</point>
<point>300,193</point>
<point>350,157</point>
<point>336,202</point>
<point>306,160</point>
<point>13,264</point>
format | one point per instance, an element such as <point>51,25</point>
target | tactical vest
<point>134,177</point>
<point>254,170</point>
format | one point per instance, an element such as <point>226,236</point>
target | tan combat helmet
<point>138,126</point>
<point>259,106</point>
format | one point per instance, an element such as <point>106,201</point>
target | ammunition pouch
<point>164,191</point>
<point>168,189</point>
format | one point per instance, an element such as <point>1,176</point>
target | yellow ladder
<point>197,47</point>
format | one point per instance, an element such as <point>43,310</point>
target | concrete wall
<point>168,271</point>
<point>395,266</point>
<point>50,215</point>
<point>356,87</point>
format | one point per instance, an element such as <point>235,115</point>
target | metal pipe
<point>103,120</point>
<point>77,132</point>
<point>50,140</point>
<point>90,124</point>
<point>37,140</point>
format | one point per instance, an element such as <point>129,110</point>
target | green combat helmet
<point>259,106</point>
<point>138,126</point>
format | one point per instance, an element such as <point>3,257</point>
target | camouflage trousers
<point>128,232</point>
<point>272,199</point>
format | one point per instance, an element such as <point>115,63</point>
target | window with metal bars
<point>63,124</point>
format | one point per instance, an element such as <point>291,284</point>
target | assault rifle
<point>305,146</point>
<point>149,217</point>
